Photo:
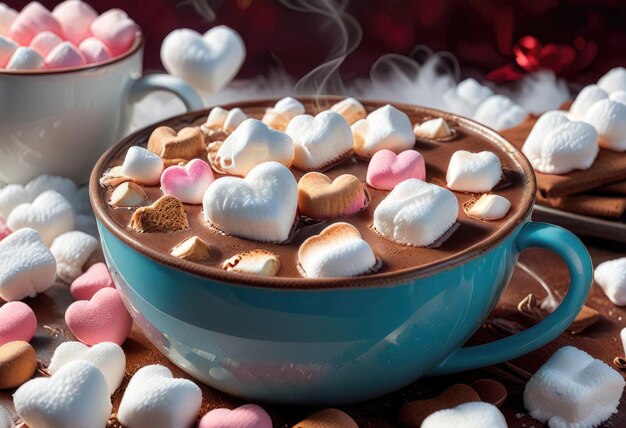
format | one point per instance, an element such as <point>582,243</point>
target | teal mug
<point>327,344</point>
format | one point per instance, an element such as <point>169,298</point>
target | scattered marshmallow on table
<point>86,223</point>
<point>89,283</point>
<point>11,196</point>
<point>17,322</point>
<point>613,80</point>
<point>499,112</point>
<point>76,396</point>
<point>75,17</point>
<point>25,58</point>
<point>108,357</point>
<point>7,47</point>
<point>473,172</point>
<point>467,415</point>
<point>33,19</point>
<point>384,128</point>
<point>142,165</point>
<point>155,399</point>
<point>585,99</point>
<point>71,251</point>
<point>62,185</point>
<point>573,389</point>
<point>187,183</point>
<point>28,267</point>
<point>279,116</point>
<point>6,421</point>
<point>416,213</point>
<point>351,110</point>
<point>246,416</point>
<point>489,207</point>
<point>465,98</point>
<point>386,169</point>
<point>611,277</point>
<point>608,117</point>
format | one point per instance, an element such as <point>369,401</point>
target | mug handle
<point>575,255</point>
<point>165,82</point>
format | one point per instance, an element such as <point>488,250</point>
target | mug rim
<point>383,279</point>
<point>137,46</point>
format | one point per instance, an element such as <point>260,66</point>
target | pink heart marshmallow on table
<point>386,169</point>
<point>65,55</point>
<point>246,416</point>
<point>187,183</point>
<point>94,50</point>
<point>89,283</point>
<point>104,318</point>
<point>33,19</point>
<point>116,30</point>
<point>7,47</point>
<point>44,42</point>
<point>17,322</point>
<point>75,17</point>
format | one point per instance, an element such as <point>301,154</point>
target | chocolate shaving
<point>530,307</point>
<point>54,331</point>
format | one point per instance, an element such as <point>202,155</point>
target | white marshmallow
<point>76,396</point>
<point>261,206</point>
<point>25,58</point>
<point>7,16</point>
<point>573,389</point>
<point>86,223</point>
<point>71,251</point>
<point>584,100</point>
<point>50,214</point>
<point>216,118</point>
<point>289,106</point>
<point>11,196</point>
<point>319,140</point>
<point>251,144</point>
<point>467,415</point>
<point>465,98</point>
<point>65,55</point>
<point>614,80</point>
<point>338,251</point>
<point>611,277</point>
<point>233,119</point>
<point>384,128</point>
<point>6,421</point>
<point>434,128</point>
<point>7,47</point>
<point>499,112</point>
<point>490,207</point>
<point>619,96</point>
<point>155,399</point>
<point>557,146</point>
<point>66,187</point>
<point>142,165</point>
<point>416,213</point>
<point>473,172</point>
<point>108,357</point>
<point>608,117</point>
<point>351,110</point>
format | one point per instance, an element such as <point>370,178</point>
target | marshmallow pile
<point>70,36</point>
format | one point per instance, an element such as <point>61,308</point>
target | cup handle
<point>165,82</point>
<point>575,255</point>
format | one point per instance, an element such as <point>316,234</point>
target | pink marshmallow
<point>116,30</point>
<point>246,416</point>
<point>94,50</point>
<point>7,16</point>
<point>44,42</point>
<point>75,17</point>
<point>65,55</point>
<point>104,318</point>
<point>386,169</point>
<point>4,230</point>
<point>7,47</point>
<point>17,322</point>
<point>25,59</point>
<point>33,19</point>
<point>187,183</point>
<point>89,283</point>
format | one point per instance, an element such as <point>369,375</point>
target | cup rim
<point>384,279</point>
<point>138,45</point>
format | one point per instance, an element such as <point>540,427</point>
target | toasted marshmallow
<point>256,262</point>
<point>499,112</point>
<point>284,110</point>
<point>611,277</point>
<point>557,146</point>
<point>251,144</point>
<point>384,128</point>
<point>319,197</point>
<point>465,98</point>
<point>7,47</point>
<point>489,207</point>
<point>215,120</point>
<point>142,165</point>
<point>127,194</point>
<point>473,172</point>
<point>416,213</point>
<point>338,251</point>
<point>614,80</point>
<point>192,249</point>
<point>319,140</point>
<point>351,110</point>
<point>435,129</point>
<point>25,59</point>
<point>608,117</point>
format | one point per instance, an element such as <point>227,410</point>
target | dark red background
<point>481,33</point>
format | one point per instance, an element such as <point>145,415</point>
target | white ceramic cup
<point>59,122</point>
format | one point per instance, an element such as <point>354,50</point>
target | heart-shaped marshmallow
<point>104,318</point>
<point>11,196</point>
<point>116,30</point>
<point>499,112</point>
<point>25,58</point>
<point>611,277</point>
<point>386,169</point>
<point>142,165</point>
<point>573,389</point>
<point>75,17</point>
<point>608,117</point>
<point>66,187</point>
<point>44,42</point>
<point>7,16</point>
<point>187,183</point>
<point>585,99</point>
<point>260,207</point>
<point>384,128</point>
<point>208,62</point>
<point>319,141</point>
<point>351,110</point>
<point>467,415</point>
<point>285,109</point>
<point>94,50</point>
<point>7,48</point>
<point>155,399</point>
<point>17,322</point>
<point>27,267</point>
<point>338,251</point>
<point>473,172</point>
<point>64,55</point>
<point>613,80</point>
<point>89,283</point>
<point>220,119</point>
<point>251,144</point>
<point>71,251</point>
<point>33,19</point>
<point>108,357</point>
<point>6,421</point>
<point>18,363</point>
<point>465,98</point>
<point>557,146</point>
<point>50,214</point>
<point>166,214</point>
<point>76,396</point>
<point>246,416</point>
<point>416,213</point>
<point>319,197</point>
